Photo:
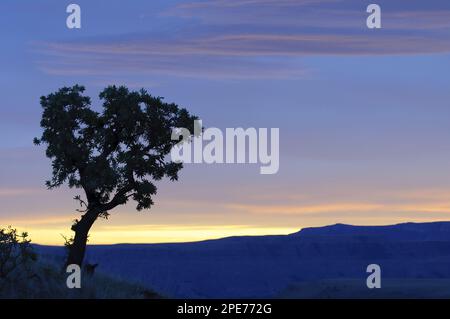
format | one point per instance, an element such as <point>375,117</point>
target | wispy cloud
<point>340,208</point>
<point>12,192</point>
<point>254,39</point>
<point>207,65</point>
<point>244,3</point>
<point>333,14</point>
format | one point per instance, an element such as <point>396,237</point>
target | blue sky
<point>363,114</point>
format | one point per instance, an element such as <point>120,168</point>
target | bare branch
<point>82,203</point>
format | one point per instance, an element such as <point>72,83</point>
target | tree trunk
<point>81,229</point>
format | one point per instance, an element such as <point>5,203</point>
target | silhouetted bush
<point>16,257</point>
<point>16,253</point>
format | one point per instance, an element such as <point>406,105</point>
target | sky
<point>363,113</point>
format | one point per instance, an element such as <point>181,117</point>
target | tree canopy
<point>114,154</point>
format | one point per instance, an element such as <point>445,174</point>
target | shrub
<point>16,256</point>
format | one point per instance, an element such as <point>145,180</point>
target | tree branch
<point>82,203</point>
<point>119,198</point>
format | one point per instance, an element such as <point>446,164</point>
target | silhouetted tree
<point>113,155</point>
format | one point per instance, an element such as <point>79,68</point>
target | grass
<point>47,281</point>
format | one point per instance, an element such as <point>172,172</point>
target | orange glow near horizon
<point>241,221</point>
<point>188,219</point>
<point>154,234</point>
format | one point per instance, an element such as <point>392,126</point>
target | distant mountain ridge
<point>404,231</point>
<point>264,266</point>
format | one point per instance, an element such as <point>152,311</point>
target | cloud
<point>243,3</point>
<point>108,62</point>
<point>396,14</point>
<point>248,39</point>
<point>350,209</point>
<point>14,192</point>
